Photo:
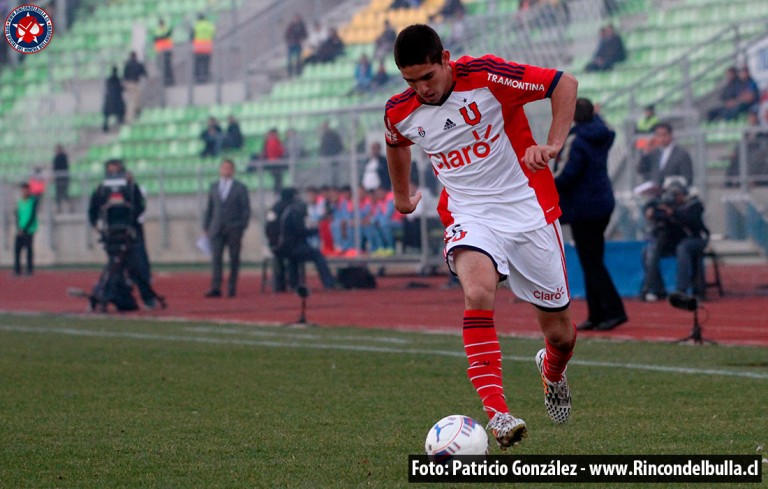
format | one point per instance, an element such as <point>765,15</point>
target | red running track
<point>739,318</point>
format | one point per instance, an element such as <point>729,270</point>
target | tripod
<point>303,292</point>
<point>689,303</point>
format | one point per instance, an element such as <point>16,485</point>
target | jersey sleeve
<point>519,83</point>
<point>393,136</point>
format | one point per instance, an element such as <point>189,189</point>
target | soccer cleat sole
<point>513,438</point>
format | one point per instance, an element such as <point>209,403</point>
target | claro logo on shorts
<point>467,155</point>
<point>549,296</point>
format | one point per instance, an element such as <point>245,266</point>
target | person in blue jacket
<point>586,199</point>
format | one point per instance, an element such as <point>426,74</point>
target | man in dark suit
<point>224,222</point>
<point>667,159</point>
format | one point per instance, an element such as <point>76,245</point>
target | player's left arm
<point>563,102</point>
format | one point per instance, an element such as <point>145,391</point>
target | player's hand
<point>408,206</point>
<point>537,157</point>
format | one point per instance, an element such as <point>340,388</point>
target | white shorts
<point>533,262</point>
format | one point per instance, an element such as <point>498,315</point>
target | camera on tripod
<point>117,211</point>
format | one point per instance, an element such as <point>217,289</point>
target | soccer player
<point>499,205</point>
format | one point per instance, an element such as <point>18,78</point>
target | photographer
<point>116,205</point>
<point>287,236</point>
<point>677,229</point>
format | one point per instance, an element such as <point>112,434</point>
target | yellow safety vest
<point>203,34</point>
<point>163,40</point>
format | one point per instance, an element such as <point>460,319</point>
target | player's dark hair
<point>418,44</point>
<point>585,111</point>
<point>664,125</point>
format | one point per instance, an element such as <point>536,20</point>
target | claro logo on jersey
<point>549,296</point>
<point>467,155</point>
<point>503,80</point>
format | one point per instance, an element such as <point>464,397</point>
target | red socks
<point>556,360</point>
<point>484,355</point>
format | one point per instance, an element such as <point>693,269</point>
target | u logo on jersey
<point>475,119</point>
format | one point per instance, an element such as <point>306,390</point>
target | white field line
<point>358,348</point>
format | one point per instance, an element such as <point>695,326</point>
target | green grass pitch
<point>107,403</point>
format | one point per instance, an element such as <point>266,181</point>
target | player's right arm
<point>399,164</point>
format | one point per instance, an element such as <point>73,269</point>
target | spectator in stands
<point>133,72</point>
<point>756,139</point>
<point>677,229</point>
<point>203,34</point>
<point>113,99</point>
<point>233,139</point>
<point>341,222</point>
<point>610,50</point>
<point>728,94</point>
<point>371,238</point>
<point>213,138</point>
<point>386,220</point>
<point>26,226</point>
<point>316,36</point>
<point>363,74</point>
<point>330,49</point>
<point>385,42</point>
<point>316,212</point>
<point>330,146</point>
<point>381,77</point>
<point>738,96</point>
<point>587,202</point>
<point>164,51</point>
<point>60,167</point>
<point>273,147</point>
<point>37,182</point>
<point>294,146</point>
<point>665,158</point>
<point>273,154</point>
<point>649,120</point>
<point>324,209</point>
<point>287,234</point>
<point>224,222</point>
<point>523,5</point>
<point>375,172</point>
<point>396,4</point>
<point>295,35</point>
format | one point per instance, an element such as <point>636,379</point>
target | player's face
<point>432,81</point>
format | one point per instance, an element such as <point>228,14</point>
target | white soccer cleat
<point>557,395</point>
<point>508,430</point>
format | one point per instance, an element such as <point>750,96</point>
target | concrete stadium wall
<point>67,239</point>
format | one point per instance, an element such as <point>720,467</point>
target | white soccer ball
<point>456,435</point>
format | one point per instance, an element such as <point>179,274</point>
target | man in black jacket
<point>587,202</point>
<point>287,235</point>
<point>134,256</point>
<point>678,230</point>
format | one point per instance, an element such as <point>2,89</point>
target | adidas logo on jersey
<point>449,124</point>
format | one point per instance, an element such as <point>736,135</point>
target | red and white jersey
<point>475,140</point>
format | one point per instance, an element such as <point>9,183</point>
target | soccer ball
<point>456,435</point>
